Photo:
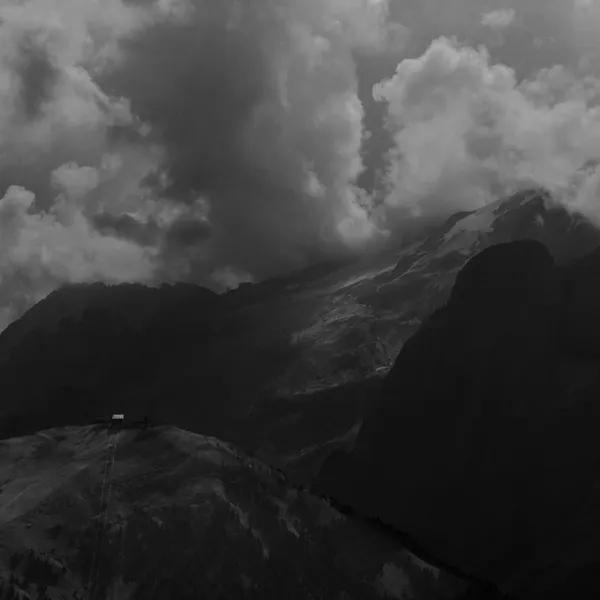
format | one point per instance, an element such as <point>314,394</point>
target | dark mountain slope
<point>483,442</point>
<point>123,345</point>
<point>136,303</point>
<point>184,516</point>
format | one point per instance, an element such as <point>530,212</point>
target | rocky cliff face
<point>483,440</point>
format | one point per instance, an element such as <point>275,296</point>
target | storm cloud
<point>258,113</point>
<point>195,138</point>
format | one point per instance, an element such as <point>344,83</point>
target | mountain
<point>438,387</point>
<point>165,513</point>
<point>483,440</point>
<point>261,365</point>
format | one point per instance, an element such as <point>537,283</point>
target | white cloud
<point>466,131</point>
<point>498,19</point>
<point>38,251</point>
<point>75,181</point>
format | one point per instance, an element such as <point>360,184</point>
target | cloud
<point>75,181</point>
<point>224,142</point>
<point>156,140</point>
<point>466,131</point>
<point>259,115</point>
<point>498,19</point>
<point>40,251</point>
<point>567,29</point>
<point>54,118</point>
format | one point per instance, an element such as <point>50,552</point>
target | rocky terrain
<point>165,513</point>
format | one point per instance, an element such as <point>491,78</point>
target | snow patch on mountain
<point>465,233</point>
<point>356,279</point>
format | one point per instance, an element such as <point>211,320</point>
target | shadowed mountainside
<point>171,514</point>
<point>483,440</point>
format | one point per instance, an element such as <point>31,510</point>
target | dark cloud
<point>128,228</point>
<point>196,83</point>
<point>37,77</point>
<point>187,232</point>
<point>235,105</point>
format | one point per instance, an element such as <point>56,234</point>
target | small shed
<point>117,421</point>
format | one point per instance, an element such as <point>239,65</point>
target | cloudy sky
<point>217,141</point>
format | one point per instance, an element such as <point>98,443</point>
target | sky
<point>221,141</point>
